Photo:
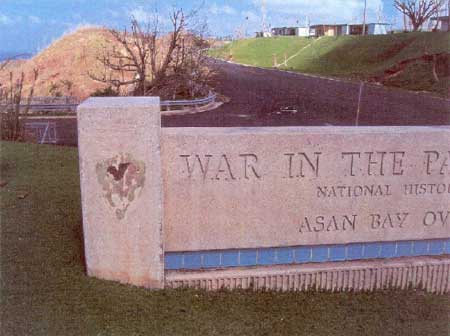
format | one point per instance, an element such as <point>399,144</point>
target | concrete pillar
<point>120,169</point>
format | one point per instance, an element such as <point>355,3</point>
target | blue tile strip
<point>338,253</point>
<point>303,254</point>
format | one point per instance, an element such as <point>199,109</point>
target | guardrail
<point>44,107</point>
<point>52,107</point>
<point>167,105</point>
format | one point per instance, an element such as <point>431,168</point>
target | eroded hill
<point>63,66</point>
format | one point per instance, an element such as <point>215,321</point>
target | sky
<point>32,25</point>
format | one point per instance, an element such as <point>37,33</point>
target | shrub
<point>106,92</point>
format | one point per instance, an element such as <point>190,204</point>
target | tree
<point>131,57</point>
<point>4,64</point>
<point>11,101</point>
<point>418,11</point>
<point>149,60</point>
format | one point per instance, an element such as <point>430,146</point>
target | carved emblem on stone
<point>122,179</point>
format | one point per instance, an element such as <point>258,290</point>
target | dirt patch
<point>440,62</point>
<point>392,51</point>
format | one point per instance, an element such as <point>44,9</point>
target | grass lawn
<point>44,289</point>
<point>355,57</point>
<point>259,52</point>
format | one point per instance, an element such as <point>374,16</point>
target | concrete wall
<point>302,31</point>
<point>377,29</point>
<point>121,188</point>
<point>263,187</point>
<point>443,26</point>
<point>282,208</point>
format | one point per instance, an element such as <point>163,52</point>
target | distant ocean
<point>4,55</point>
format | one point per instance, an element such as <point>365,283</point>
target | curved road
<point>264,97</point>
<point>258,97</point>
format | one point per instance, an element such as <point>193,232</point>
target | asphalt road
<point>263,97</point>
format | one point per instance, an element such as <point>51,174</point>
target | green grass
<point>259,52</point>
<point>355,57</point>
<point>45,291</point>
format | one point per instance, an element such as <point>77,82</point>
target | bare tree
<point>178,20</point>
<point>189,71</point>
<point>11,99</point>
<point>7,61</point>
<point>147,59</point>
<point>130,57</point>
<point>418,11</point>
<point>4,64</point>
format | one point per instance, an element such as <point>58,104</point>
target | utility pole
<point>246,27</point>
<point>448,15</point>
<point>264,13</point>
<point>364,18</point>
<point>380,17</point>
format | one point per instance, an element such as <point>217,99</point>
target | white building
<point>442,23</point>
<point>332,30</point>
<point>377,28</point>
<point>350,29</point>
<point>291,31</point>
<point>263,34</point>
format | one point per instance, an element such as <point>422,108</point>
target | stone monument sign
<point>212,207</point>
<point>264,187</point>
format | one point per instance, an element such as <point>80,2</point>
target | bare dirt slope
<point>64,65</point>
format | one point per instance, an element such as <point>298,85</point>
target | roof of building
<point>329,24</point>
<point>350,24</point>
<point>294,27</point>
<point>441,18</point>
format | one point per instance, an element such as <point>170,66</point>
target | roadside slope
<point>371,58</point>
<point>259,52</point>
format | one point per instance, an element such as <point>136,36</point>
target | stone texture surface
<point>264,187</point>
<point>119,152</point>
<point>428,273</point>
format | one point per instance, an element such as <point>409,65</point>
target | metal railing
<point>167,105</point>
<point>170,104</point>
<point>51,107</point>
<point>34,108</point>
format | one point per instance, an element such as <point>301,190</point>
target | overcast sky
<point>30,25</point>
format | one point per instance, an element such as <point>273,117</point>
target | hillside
<point>64,65</point>
<point>6,55</point>
<point>401,60</point>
